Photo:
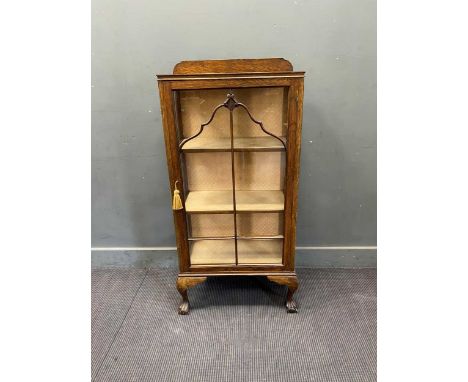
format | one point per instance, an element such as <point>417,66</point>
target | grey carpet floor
<point>237,330</point>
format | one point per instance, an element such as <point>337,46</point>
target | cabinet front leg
<point>292,284</point>
<point>183,283</point>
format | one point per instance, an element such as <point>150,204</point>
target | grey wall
<point>334,41</point>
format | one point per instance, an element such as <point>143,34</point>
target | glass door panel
<point>260,251</point>
<point>260,170</point>
<point>213,252</point>
<point>260,228</point>
<point>260,238</point>
<point>211,225</point>
<point>209,199</point>
<point>233,148</point>
<point>260,225</point>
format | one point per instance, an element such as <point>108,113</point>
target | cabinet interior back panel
<point>265,105</point>
<point>248,224</point>
<point>254,171</point>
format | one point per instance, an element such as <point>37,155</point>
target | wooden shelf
<point>246,201</point>
<point>238,237</point>
<point>267,143</point>
<point>209,252</point>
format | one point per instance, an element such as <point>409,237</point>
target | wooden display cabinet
<point>232,131</point>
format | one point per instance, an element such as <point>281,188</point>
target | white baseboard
<point>133,248</point>
<point>370,248</point>
<point>306,256</point>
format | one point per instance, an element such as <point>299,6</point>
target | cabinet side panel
<point>295,100</point>
<point>174,170</point>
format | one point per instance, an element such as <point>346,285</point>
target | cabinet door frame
<point>168,103</point>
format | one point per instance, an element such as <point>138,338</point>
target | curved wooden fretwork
<point>230,103</point>
<point>261,124</point>
<point>202,126</point>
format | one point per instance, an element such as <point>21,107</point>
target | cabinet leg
<point>292,284</point>
<point>183,283</point>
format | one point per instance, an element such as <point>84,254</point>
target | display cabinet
<point>232,132</point>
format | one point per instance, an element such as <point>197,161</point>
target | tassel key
<point>176,200</point>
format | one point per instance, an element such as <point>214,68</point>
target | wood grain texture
<point>239,75</point>
<point>241,269</point>
<point>220,83</point>
<point>174,169</point>
<point>295,97</point>
<point>292,284</point>
<point>233,66</point>
<point>255,271</point>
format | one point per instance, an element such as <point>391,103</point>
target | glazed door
<point>232,145</point>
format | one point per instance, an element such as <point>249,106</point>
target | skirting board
<point>308,257</point>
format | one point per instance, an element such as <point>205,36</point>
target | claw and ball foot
<point>184,307</point>
<point>183,283</point>
<point>291,306</point>
<point>292,284</point>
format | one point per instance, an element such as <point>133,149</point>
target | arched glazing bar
<point>230,103</point>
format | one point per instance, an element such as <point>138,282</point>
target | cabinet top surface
<point>214,69</point>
